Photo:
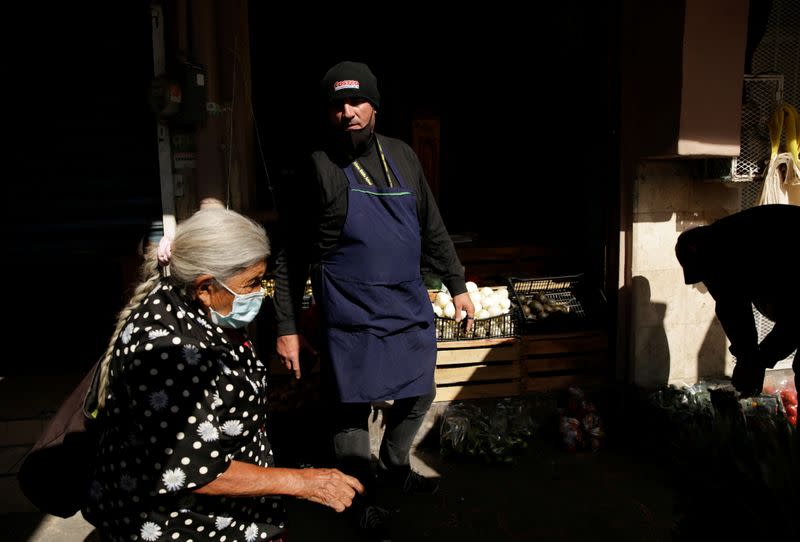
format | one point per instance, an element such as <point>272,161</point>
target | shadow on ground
<point>547,495</point>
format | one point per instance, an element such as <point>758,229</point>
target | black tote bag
<point>54,475</point>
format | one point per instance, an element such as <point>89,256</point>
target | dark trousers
<point>350,424</point>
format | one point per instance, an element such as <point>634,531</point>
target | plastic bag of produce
<point>453,431</point>
<point>787,393</point>
<point>580,425</point>
<point>571,433</point>
<point>513,421</point>
<point>492,431</point>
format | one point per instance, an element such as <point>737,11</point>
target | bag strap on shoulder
<point>91,400</point>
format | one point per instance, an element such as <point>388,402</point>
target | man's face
<point>352,114</point>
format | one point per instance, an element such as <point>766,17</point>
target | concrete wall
<point>680,95</point>
<point>682,66</point>
<point>675,336</point>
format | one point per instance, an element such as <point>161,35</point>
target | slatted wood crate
<point>478,368</point>
<point>559,360</point>
<point>507,367</point>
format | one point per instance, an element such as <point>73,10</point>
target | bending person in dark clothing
<point>750,258</point>
<point>362,225</point>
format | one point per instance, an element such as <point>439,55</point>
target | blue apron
<point>379,320</point>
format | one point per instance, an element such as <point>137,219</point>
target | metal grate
<point>779,49</point>
<point>764,325</point>
<point>778,52</point>
<point>565,290</point>
<point>762,94</point>
<point>777,57</point>
<point>750,194</point>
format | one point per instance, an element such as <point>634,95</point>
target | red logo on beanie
<point>347,83</point>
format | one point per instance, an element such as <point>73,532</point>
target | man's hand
<point>462,302</point>
<point>288,348</point>
<point>748,378</point>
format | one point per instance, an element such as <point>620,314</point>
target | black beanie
<point>350,80</point>
<point>694,251</point>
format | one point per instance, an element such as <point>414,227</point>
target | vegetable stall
<point>532,332</point>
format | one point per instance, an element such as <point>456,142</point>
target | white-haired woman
<point>184,454</point>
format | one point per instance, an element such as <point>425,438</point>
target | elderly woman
<point>184,454</point>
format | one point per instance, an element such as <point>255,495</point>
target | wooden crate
<point>506,367</point>
<point>477,369</point>
<point>493,264</point>
<point>559,360</point>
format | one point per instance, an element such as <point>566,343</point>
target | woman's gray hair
<point>215,241</point>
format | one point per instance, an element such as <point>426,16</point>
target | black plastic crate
<point>565,292</point>
<point>502,325</point>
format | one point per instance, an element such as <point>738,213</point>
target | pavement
<point>626,491</point>
<point>546,494</point>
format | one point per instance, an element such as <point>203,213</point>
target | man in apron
<point>362,224</point>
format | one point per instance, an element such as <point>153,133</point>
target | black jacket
<point>749,258</point>
<point>313,213</point>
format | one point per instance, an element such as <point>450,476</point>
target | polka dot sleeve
<point>175,403</point>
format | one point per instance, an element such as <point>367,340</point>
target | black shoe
<point>407,481</point>
<point>417,483</point>
<point>374,524</point>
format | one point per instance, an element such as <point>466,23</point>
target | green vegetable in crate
<point>538,306</point>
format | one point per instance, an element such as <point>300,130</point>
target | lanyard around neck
<point>386,170</point>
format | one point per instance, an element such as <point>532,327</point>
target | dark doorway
<point>526,107</point>
<point>88,187</point>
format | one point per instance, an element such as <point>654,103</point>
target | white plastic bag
<point>782,180</point>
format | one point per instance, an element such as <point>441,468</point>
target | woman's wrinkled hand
<point>330,487</point>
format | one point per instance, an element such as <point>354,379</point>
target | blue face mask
<point>244,310</point>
